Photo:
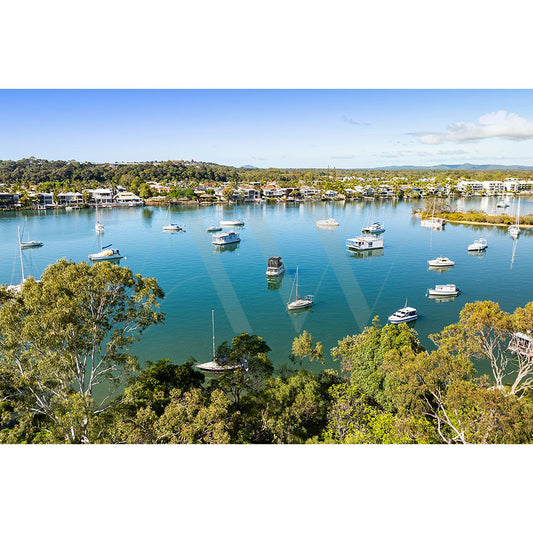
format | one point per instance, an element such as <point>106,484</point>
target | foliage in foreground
<point>68,336</point>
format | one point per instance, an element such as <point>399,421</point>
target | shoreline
<point>525,226</point>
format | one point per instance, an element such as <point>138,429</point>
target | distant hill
<point>463,166</point>
<point>248,166</point>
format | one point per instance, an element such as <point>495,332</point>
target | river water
<point>349,291</point>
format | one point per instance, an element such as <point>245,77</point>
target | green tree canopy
<point>69,335</point>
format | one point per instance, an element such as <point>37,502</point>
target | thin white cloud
<point>500,124</point>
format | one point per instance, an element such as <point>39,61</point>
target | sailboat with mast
<point>214,366</point>
<point>98,226</point>
<point>433,223</point>
<point>18,287</point>
<point>301,302</point>
<point>28,243</point>
<point>514,229</point>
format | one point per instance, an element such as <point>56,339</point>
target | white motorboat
<point>368,242</point>
<point>275,266</point>
<point>514,229</point>
<point>375,227</point>
<point>441,262</point>
<point>301,302</point>
<point>228,237</point>
<point>214,366</point>
<point>173,227</point>
<point>444,290</point>
<point>327,223</point>
<point>502,205</point>
<point>106,254</point>
<point>214,228</point>
<point>478,245</point>
<point>235,222</point>
<point>405,314</point>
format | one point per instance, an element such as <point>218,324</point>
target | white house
<point>128,198</point>
<point>100,196</point>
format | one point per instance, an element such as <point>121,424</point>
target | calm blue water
<point>349,291</point>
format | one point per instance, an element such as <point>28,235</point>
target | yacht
<point>214,366</point>
<point>405,314</point>
<point>478,245</point>
<point>106,254</point>
<point>172,226</point>
<point>301,302</point>
<point>376,227</point>
<point>328,222</point>
<point>433,223</point>
<point>444,290</point>
<point>228,237</point>
<point>275,266</point>
<point>235,222</point>
<point>441,262</point>
<point>214,228</point>
<point>369,242</point>
<point>514,229</point>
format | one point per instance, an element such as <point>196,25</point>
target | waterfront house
<point>9,199</point>
<point>128,198</point>
<point>70,198</point>
<point>100,196</point>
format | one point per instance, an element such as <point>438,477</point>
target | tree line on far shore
<point>68,374</point>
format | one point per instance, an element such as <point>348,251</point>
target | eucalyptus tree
<point>65,341</point>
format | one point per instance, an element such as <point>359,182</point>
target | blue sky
<point>270,128</point>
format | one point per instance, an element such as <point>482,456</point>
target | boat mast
<point>20,251</point>
<point>213,323</point>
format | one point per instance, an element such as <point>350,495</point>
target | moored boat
<point>328,222</point>
<point>441,262</point>
<point>106,254</point>
<point>228,237</point>
<point>235,222</point>
<point>301,302</point>
<point>405,314</point>
<point>376,227</point>
<point>368,242</point>
<point>444,290</point>
<point>275,267</point>
<point>478,245</point>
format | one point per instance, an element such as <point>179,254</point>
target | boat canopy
<point>274,262</point>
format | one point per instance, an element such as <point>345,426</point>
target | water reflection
<point>274,283</point>
<point>217,248</point>
<point>365,254</point>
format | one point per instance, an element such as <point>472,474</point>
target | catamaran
<point>301,302</point>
